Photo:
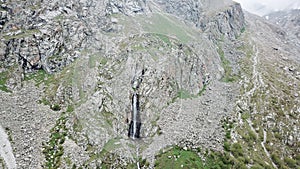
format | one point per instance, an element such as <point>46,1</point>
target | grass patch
<point>3,79</point>
<point>184,94</point>
<point>164,38</point>
<point>70,108</point>
<point>165,24</point>
<point>110,146</point>
<point>53,149</point>
<point>228,76</point>
<point>218,160</point>
<point>77,126</point>
<point>201,92</point>
<point>178,158</point>
<point>243,29</point>
<point>245,115</point>
<point>236,150</point>
<point>55,107</point>
<point>2,162</point>
<point>290,162</point>
<point>40,76</point>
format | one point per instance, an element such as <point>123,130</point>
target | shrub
<point>290,162</point>
<point>252,135</point>
<point>257,166</point>
<point>70,108</point>
<point>228,135</point>
<point>277,160</point>
<point>236,150</point>
<point>55,107</point>
<point>226,146</point>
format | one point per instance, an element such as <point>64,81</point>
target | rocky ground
<point>195,122</point>
<point>27,123</point>
<point>215,82</point>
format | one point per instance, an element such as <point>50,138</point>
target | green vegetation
<point>245,115</point>
<point>110,146</point>
<point>218,160</point>
<point>9,133</point>
<point>167,25</point>
<point>290,162</point>
<point>77,126</point>
<point>243,29</point>
<point>92,61</point>
<point>2,162</point>
<point>40,76</point>
<point>164,38</point>
<point>228,75</point>
<point>178,158</point>
<point>53,149</point>
<point>109,159</point>
<point>44,101</point>
<point>276,159</point>
<point>3,79</point>
<point>70,77</point>
<point>202,90</point>
<point>55,107</point>
<point>236,150</point>
<point>184,94</point>
<point>227,127</point>
<point>70,108</point>
<point>274,97</point>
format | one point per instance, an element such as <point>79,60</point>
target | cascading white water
<point>134,114</point>
<point>135,123</point>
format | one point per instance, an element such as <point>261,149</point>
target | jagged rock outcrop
<point>52,36</point>
<point>217,18</point>
<point>126,7</point>
<point>4,14</point>
<point>229,23</point>
<point>289,21</point>
<point>47,37</point>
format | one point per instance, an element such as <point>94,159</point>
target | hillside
<point>147,84</point>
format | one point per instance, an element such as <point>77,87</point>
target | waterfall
<point>135,124</point>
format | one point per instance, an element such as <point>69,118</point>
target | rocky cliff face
<point>218,18</point>
<point>290,22</point>
<point>50,36</point>
<point>78,62</point>
<point>126,7</point>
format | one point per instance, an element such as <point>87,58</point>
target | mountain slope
<point>212,87</point>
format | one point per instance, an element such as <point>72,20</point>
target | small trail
<point>256,77</point>
<point>257,82</point>
<point>6,151</point>
<point>266,151</point>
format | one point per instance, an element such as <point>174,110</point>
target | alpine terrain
<point>148,84</point>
